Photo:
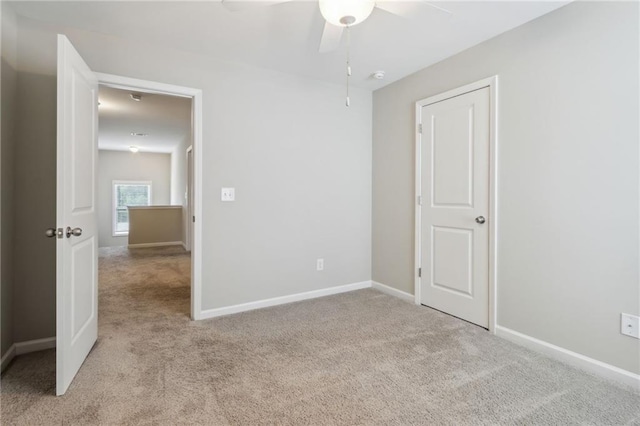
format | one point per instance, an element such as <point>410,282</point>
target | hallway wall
<point>125,165</point>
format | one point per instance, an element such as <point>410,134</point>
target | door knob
<point>480,219</point>
<point>76,232</point>
<point>50,233</point>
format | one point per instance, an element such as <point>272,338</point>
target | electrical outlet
<point>630,325</point>
<point>320,264</point>
<point>228,194</point>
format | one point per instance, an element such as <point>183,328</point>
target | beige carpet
<point>357,358</point>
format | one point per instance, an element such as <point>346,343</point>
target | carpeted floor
<point>356,358</point>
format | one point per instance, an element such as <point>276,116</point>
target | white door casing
<point>77,255</point>
<point>453,244</point>
<point>189,199</point>
<point>134,84</point>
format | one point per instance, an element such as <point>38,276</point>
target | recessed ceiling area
<point>155,123</point>
<point>285,36</point>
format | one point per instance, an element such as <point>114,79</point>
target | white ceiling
<point>286,36</point>
<point>165,119</point>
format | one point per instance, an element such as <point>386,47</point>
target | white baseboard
<point>574,359</point>
<point>228,310</point>
<point>35,345</point>
<point>393,291</point>
<point>8,357</point>
<point>167,243</point>
<point>29,346</point>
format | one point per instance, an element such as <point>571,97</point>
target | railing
<point>155,226</point>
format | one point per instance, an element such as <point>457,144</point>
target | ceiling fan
<point>341,14</point>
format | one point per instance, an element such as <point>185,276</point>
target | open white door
<point>77,247</point>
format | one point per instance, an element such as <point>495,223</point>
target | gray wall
<point>567,175</point>
<point>179,172</point>
<point>179,181</point>
<point>8,107</point>
<point>121,165</point>
<point>299,160</point>
<point>35,201</point>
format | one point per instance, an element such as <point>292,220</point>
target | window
<point>127,193</point>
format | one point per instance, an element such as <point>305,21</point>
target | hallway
<point>142,284</point>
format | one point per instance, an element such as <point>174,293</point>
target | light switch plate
<point>228,194</point>
<point>630,325</point>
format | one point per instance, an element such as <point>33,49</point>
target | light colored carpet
<point>356,358</point>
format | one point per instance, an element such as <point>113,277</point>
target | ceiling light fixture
<point>136,97</point>
<point>134,149</point>
<point>346,13</point>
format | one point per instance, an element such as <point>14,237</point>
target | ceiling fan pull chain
<point>348,65</point>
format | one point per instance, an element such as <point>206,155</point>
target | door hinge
<point>193,218</point>
<point>420,128</point>
<point>419,272</point>
<point>419,200</point>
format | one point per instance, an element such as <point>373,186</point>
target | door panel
<point>447,244</point>
<point>82,306</point>
<point>455,183</point>
<point>76,255</point>
<point>81,151</point>
<point>452,159</point>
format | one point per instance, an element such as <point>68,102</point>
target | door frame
<point>190,180</point>
<point>127,83</point>
<point>492,84</point>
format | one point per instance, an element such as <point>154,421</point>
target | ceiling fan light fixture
<point>345,13</point>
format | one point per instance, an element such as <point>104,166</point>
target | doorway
<point>455,202</point>
<point>141,198</point>
<point>194,176</point>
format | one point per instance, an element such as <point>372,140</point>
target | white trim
<point>417,239</point>
<point>574,359</point>
<point>243,307</point>
<point>393,291</point>
<point>8,357</point>
<point>493,203</point>
<point>27,347</point>
<point>161,244</point>
<point>35,345</point>
<point>188,232</point>
<point>196,96</point>
<point>154,207</point>
<point>184,246</point>
<point>492,84</point>
<point>196,244</point>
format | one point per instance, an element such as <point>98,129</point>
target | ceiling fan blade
<point>331,37</point>
<point>237,5</point>
<point>407,9</point>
